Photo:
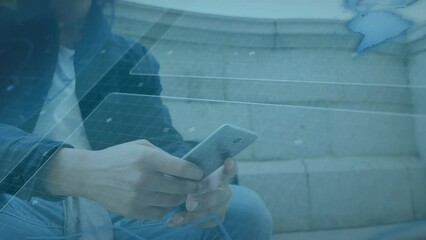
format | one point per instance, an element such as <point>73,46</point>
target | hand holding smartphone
<point>226,142</point>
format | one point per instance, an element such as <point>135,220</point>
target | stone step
<point>403,231</point>
<point>287,133</point>
<point>333,193</point>
<point>291,92</point>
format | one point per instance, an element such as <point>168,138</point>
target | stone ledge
<point>402,231</point>
<point>234,31</point>
<point>290,132</point>
<point>283,92</point>
<point>321,194</point>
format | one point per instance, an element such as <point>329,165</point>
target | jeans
<point>247,218</point>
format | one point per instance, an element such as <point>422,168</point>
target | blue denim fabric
<point>247,219</point>
<point>28,54</point>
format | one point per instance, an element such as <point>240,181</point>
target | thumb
<point>145,143</point>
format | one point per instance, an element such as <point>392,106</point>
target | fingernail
<point>192,205</point>
<point>176,221</point>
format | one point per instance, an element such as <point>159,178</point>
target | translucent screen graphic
<point>338,104</point>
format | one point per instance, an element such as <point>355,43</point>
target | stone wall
<point>338,144</point>
<point>332,102</point>
<point>417,78</point>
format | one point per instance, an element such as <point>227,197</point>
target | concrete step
<point>287,133</point>
<point>403,231</point>
<point>321,194</point>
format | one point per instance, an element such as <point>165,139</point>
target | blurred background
<point>336,90</point>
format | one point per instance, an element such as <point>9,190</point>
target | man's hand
<point>211,200</point>
<point>134,179</point>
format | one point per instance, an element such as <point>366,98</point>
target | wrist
<point>66,172</point>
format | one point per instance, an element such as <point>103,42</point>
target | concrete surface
<point>330,193</point>
<point>402,231</point>
<point>340,147</point>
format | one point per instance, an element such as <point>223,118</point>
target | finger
<point>168,184</point>
<point>205,218</point>
<point>216,197</point>
<point>217,179</point>
<point>158,199</point>
<point>177,167</point>
<point>230,168</point>
<point>229,171</point>
<point>145,143</point>
<point>220,177</point>
<point>165,163</point>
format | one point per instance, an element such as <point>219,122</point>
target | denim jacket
<point>29,43</point>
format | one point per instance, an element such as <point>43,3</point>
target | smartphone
<point>226,142</point>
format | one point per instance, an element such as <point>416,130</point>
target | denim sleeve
<point>160,130</point>
<point>169,140</point>
<point>21,156</point>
